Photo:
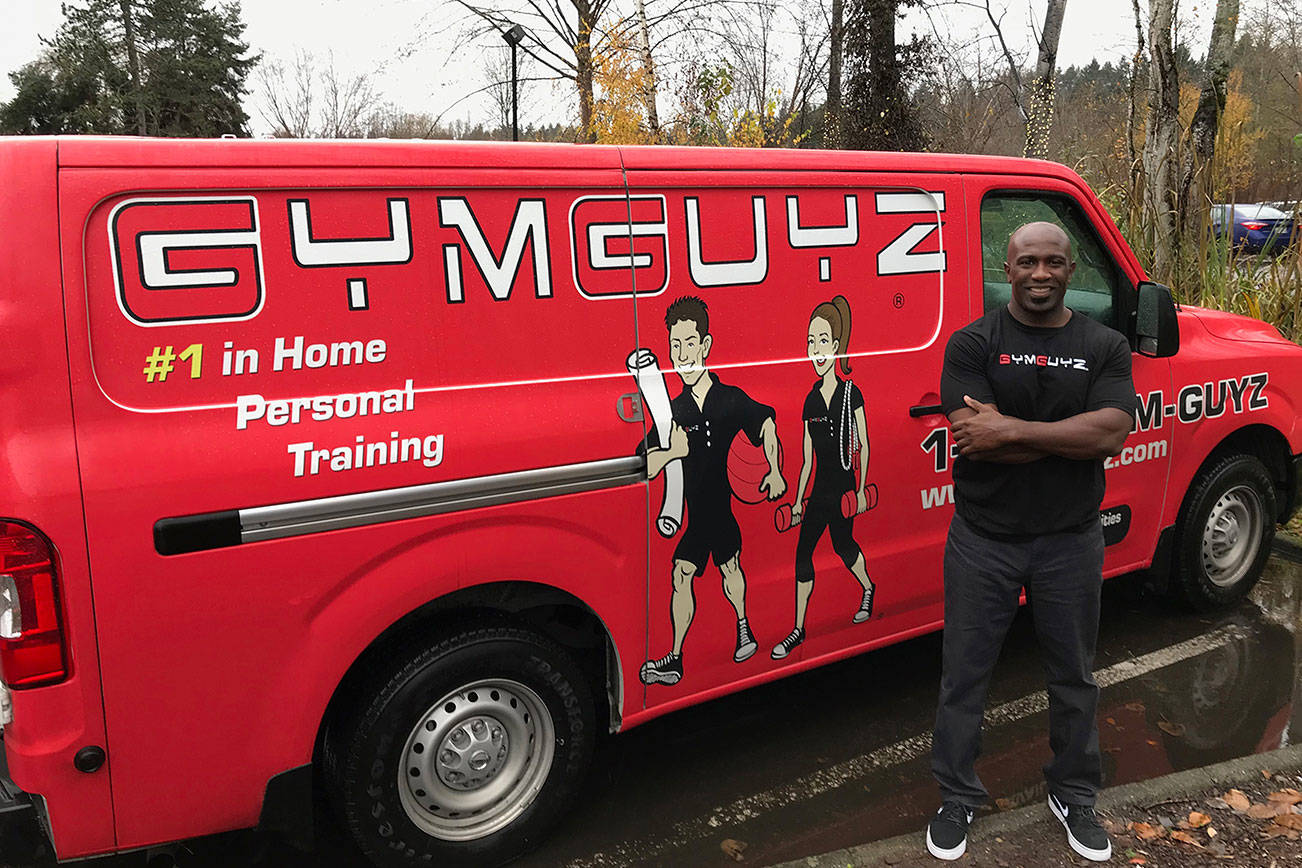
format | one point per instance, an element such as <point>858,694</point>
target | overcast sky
<point>402,42</point>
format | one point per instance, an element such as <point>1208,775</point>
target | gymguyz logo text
<point>1203,401</point>
<point>1042,361</point>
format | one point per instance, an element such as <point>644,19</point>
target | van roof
<point>130,151</point>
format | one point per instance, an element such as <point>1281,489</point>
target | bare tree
<point>296,110</point>
<point>560,35</point>
<point>1161,139</point>
<point>1136,65</point>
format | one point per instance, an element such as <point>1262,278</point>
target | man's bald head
<point>1039,267</point>
<point>1040,230</point>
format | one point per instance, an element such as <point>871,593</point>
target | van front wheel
<point>466,753</point>
<point>1223,538</point>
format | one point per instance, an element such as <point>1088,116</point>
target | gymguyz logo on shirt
<point>1042,361</point>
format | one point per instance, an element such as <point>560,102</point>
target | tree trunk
<point>583,76</point>
<point>1039,118</point>
<point>133,64</point>
<point>1136,63</point>
<point>1194,182</point>
<point>883,71</point>
<point>832,111</point>
<point>1162,137</point>
<point>649,91</point>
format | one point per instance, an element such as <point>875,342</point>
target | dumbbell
<point>849,505</point>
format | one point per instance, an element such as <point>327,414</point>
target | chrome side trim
<point>372,507</point>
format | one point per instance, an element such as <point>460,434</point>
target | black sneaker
<point>787,645</point>
<point>746,644</point>
<point>1084,833</point>
<point>667,670</point>
<point>947,831</point>
<point>866,607</point>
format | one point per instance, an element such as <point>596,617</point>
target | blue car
<point>1253,228</point>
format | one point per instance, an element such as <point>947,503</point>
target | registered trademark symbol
<point>898,301</point>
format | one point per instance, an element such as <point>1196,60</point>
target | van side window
<point>1093,287</point>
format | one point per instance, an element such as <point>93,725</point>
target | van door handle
<point>629,407</point>
<point>926,410</point>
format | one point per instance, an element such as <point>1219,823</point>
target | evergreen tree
<point>193,63</point>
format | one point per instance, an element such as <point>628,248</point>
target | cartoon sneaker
<point>667,670</point>
<point>866,607</point>
<point>787,645</point>
<point>746,645</point>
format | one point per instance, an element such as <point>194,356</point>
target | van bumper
<point>22,836</point>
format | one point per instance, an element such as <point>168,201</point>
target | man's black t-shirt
<point>1040,375</point>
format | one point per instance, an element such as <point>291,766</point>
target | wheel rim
<point>1232,536</point>
<point>476,760</point>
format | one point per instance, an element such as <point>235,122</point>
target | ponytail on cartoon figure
<point>836,313</point>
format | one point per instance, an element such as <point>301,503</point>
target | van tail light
<point>33,649</point>
<point>1254,225</point>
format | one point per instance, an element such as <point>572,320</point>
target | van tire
<point>1223,535</point>
<point>498,721</point>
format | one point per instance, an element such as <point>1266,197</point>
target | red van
<point>381,470</point>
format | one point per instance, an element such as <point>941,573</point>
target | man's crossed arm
<point>984,434</point>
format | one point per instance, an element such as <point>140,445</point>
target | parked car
<point>1254,228</point>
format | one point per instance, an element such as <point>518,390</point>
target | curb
<point>1286,549</point>
<point>1111,800</point>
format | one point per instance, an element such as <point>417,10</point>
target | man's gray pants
<point>1062,574</point>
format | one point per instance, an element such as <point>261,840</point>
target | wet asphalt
<point>839,756</point>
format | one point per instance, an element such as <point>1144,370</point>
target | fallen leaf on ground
<point>1266,773</point>
<point>1185,837</point>
<point>733,849</point>
<point>1138,860</point>
<point>1290,821</point>
<point>1262,812</point>
<point>1146,832</point>
<point>1237,801</point>
<point>1218,803</point>
<point>1112,721</point>
<point>1135,706</point>
<point>1277,831</point>
<point>1176,729</point>
<point>1004,804</point>
<point>1211,832</point>
<point>1198,820</point>
<point>1287,797</point>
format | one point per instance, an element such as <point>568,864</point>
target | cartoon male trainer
<point>707,415</point>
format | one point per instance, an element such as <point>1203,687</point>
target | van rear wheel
<point>464,753</point>
<point>1224,532</point>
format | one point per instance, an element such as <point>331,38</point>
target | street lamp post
<point>514,37</point>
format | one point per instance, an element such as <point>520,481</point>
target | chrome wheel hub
<point>476,760</point>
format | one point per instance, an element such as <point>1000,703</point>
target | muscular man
<point>1037,396</point>
<point>706,417</point>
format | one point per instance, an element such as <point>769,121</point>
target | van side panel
<point>440,299</point>
<point>39,485</point>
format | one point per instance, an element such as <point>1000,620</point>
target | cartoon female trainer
<point>835,434</point>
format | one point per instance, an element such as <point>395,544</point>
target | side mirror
<point>1157,331</point>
